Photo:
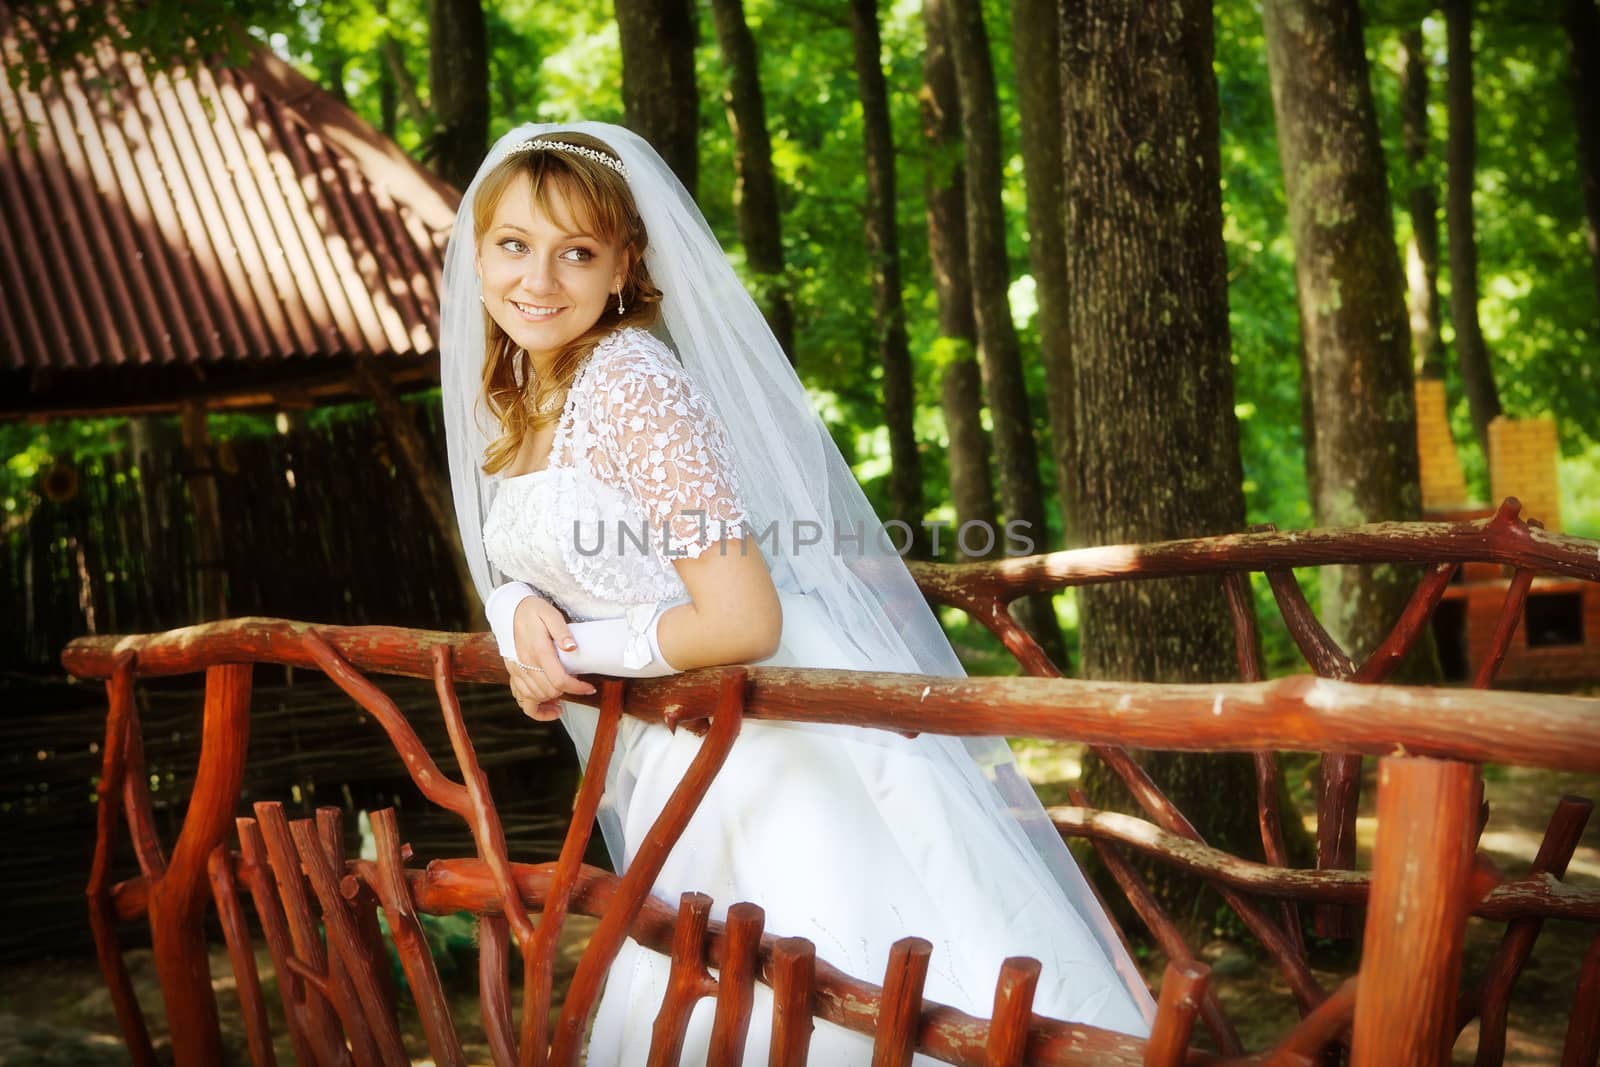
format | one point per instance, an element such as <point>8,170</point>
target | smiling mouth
<point>534,311</point>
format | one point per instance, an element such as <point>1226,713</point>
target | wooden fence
<point>318,523</point>
<point>1406,1004</point>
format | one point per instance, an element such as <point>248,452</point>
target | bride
<point>643,488</point>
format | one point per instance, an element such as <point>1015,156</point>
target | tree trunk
<point>1462,153</point>
<point>1582,20</point>
<point>1157,446</point>
<point>424,469</point>
<point>332,75</point>
<point>883,252</point>
<point>1352,308</point>
<point>1357,355</point>
<point>458,76</point>
<point>388,98</point>
<point>394,62</point>
<point>1021,494</point>
<point>1037,55</point>
<point>944,190</point>
<point>971,486</point>
<point>659,96</point>
<point>1422,256</point>
<point>755,190</point>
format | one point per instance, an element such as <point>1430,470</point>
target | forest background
<point>1188,399</point>
<point>555,60</point>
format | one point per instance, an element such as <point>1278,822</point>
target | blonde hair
<point>600,198</point>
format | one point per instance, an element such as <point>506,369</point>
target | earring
<point>516,368</point>
<point>619,298</point>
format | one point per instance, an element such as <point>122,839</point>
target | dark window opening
<point>1450,635</point>
<point>1554,619</point>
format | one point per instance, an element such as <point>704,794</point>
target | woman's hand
<point>538,680</point>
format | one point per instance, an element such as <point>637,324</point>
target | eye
<point>577,255</point>
<point>514,246</point>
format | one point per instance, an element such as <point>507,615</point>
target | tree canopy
<point>561,60</point>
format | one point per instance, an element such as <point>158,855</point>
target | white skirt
<point>852,839</point>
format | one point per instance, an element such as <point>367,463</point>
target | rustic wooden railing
<point>1406,1005</point>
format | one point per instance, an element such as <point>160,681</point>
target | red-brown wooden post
<point>1247,650</point>
<point>1182,988</point>
<point>178,897</point>
<point>368,1021</point>
<point>1582,1047</point>
<point>1013,1011</point>
<point>687,980</point>
<point>1316,1031</point>
<point>634,888</point>
<point>1166,933</point>
<point>736,976</point>
<point>494,989</point>
<point>1555,852</point>
<point>310,843</point>
<point>256,874</point>
<point>411,944</point>
<point>900,1010</point>
<point>363,903</point>
<point>137,804</point>
<point>252,1004</point>
<point>1416,913</point>
<point>323,1027</point>
<point>794,980</point>
<point>102,914</point>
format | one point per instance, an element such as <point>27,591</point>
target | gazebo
<point>223,238</point>
<point>230,235</point>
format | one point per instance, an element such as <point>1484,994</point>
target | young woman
<point>643,488</point>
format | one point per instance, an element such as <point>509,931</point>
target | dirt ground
<point>56,1011</point>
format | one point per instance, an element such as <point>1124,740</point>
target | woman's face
<point>546,279</point>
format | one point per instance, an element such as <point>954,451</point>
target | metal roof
<point>204,219</point>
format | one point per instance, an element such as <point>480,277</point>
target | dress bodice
<point>640,473</point>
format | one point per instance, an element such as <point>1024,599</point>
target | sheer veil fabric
<point>829,544</point>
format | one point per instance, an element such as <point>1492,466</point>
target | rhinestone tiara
<point>573,149</point>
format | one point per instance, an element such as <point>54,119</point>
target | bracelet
<point>525,667</point>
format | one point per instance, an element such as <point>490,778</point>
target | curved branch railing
<point>1405,1002</point>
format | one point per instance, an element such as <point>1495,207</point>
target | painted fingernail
<point>569,644</point>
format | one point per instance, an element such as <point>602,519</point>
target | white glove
<point>501,608</point>
<point>625,647</point>
<point>622,647</point>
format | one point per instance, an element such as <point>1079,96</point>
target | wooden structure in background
<point>1407,1000</point>
<point>227,233</point>
<point>1558,640</point>
<point>222,238</point>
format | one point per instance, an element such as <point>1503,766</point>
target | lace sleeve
<point>669,450</point>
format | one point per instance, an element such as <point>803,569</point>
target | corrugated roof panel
<point>228,214</point>
<point>125,231</point>
<point>159,210</point>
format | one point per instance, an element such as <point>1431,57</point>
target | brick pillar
<point>1522,463</point>
<point>1444,487</point>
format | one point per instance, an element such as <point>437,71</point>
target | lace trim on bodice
<point>640,473</point>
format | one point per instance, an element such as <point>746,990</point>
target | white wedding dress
<point>852,838</point>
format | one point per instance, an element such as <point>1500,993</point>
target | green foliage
<point>31,450</point>
<point>560,60</point>
<point>1262,315</point>
<point>164,34</point>
<point>1539,309</point>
